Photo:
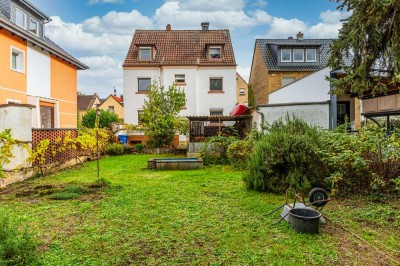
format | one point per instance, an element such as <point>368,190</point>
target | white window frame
<point>315,53</point>
<point>145,48</point>
<point>37,26</point>
<point>182,80</point>
<point>21,61</point>
<point>297,50</point>
<point>290,53</point>
<point>242,91</point>
<point>220,52</point>
<point>13,101</point>
<point>25,18</point>
<point>111,109</point>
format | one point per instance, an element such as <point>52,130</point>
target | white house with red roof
<point>201,62</point>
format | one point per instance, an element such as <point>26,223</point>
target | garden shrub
<point>16,247</point>
<point>115,149</point>
<point>239,152</point>
<point>215,149</point>
<point>128,149</point>
<point>287,156</point>
<point>139,148</point>
<point>365,163</point>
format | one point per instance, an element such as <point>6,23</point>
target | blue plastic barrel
<point>123,139</point>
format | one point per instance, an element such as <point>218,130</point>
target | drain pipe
<point>262,118</point>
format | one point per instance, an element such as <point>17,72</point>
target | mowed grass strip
<point>197,217</point>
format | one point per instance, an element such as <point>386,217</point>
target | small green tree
<point>160,114</point>
<point>106,118</point>
<point>251,100</point>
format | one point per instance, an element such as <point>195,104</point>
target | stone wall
<point>17,117</point>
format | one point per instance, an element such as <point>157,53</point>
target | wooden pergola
<point>202,127</point>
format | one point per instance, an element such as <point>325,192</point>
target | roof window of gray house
<point>298,55</point>
<point>33,26</point>
<point>286,55</point>
<point>20,18</point>
<point>311,55</point>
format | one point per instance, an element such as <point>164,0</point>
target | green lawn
<point>196,217</point>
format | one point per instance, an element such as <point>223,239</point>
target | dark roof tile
<point>269,50</point>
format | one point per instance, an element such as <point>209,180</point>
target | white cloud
<point>174,13</point>
<point>119,22</point>
<point>104,74</point>
<point>327,28</point>
<point>75,40</point>
<point>244,72</point>
<point>210,5</point>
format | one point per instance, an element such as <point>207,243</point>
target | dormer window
<point>145,53</point>
<point>286,55</point>
<point>34,26</point>
<point>298,55</point>
<point>20,18</point>
<point>311,55</point>
<point>215,52</point>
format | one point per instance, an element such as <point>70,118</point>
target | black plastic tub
<point>305,220</point>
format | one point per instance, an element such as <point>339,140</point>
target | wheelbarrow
<point>317,198</point>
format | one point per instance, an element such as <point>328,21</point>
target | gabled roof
<point>116,98</point>
<point>269,50</point>
<point>181,47</point>
<point>44,43</point>
<point>85,102</point>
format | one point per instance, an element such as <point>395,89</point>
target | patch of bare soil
<point>355,251</point>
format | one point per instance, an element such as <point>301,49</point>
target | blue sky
<point>98,32</point>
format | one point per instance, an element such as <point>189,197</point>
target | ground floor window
<point>216,112</point>
<point>46,115</point>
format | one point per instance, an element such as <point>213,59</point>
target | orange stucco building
<point>34,70</point>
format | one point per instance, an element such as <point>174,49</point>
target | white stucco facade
<point>312,88</point>
<point>199,99</point>
<point>38,72</point>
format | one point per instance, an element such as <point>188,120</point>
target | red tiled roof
<point>181,47</point>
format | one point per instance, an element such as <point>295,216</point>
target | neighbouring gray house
<point>288,76</point>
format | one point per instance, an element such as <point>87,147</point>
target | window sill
<point>216,92</point>
<point>180,84</point>
<point>19,71</point>
<point>142,92</point>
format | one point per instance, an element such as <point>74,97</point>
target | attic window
<point>34,26</point>
<point>242,91</point>
<point>298,55</point>
<point>286,55</point>
<point>311,55</point>
<point>145,53</point>
<point>20,18</point>
<point>215,52</point>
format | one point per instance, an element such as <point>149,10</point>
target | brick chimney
<point>122,98</point>
<point>300,35</point>
<point>205,25</point>
<point>168,27</point>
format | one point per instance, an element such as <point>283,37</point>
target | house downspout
<point>332,106</point>
<point>262,117</point>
